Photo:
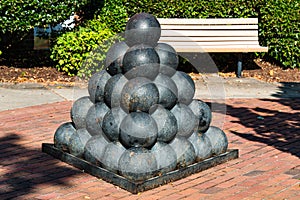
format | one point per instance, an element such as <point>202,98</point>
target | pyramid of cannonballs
<point>140,119</point>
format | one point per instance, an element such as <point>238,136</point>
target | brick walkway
<point>267,133</point>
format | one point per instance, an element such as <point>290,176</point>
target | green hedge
<point>279,30</point>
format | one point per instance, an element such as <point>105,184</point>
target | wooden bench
<point>234,35</point>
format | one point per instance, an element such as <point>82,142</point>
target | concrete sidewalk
<point>209,87</point>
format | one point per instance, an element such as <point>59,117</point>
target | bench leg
<point>239,66</point>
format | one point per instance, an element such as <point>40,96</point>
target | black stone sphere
<point>218,140</point>
<point>166,123</point>
<point>96,86</point>
<point>165,157</point>
<point>138,164</point>
<point>112,154</point>
<point>138,129</point>
<point>142,28</point>
<point>141,61</point>
<point>184,150</point>
<point>203,113</point>
<point>185,86</point>
<point>167,91</point>
<point>139,94</point>
<point>168,59</point>
<point>79,110</point>
<point>114,58</point>
<point>62,136</point>
<point>94,149</point>
<point>111,123</point>
<point>94,118</point>
<point>186,120</point>
<point>113,89</point>
<point>78,141</point>
<point>202,146</point>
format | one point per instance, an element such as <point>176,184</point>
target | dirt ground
<point>263,70</point>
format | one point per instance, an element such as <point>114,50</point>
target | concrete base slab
<point>136,187</point>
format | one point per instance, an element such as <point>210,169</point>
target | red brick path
<point>267,133</point>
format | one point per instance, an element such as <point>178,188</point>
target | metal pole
<point>239,66</point>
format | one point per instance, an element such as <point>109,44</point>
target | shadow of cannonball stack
<point>140,119</point>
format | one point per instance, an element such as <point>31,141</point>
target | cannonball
<point>167,90</point>
<point>112,154</point>
<point>78,141</point>
<point>139,94</point>
<point>138,164</point>
<point>111,123</point>
<point>62,136</point>
<point>202,146</point>
<point>113,89</point>
<point>141,61</point>
<point>79,111</point>
<point>203,114</point>
<point>138,129</point>
<point>186,120</point>
<point>96,86</point>
<point>185,86</point>
<point>165,157</point>
<point>94,118</point>
<point>114,58</point>
<point>166,123</point>
<point>217,139</point>
<point>168,59</point>
<point>94,149</point>
<point>142,28</point>
<point>185,152</point>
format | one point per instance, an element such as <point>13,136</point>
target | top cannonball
<point>142,28</point>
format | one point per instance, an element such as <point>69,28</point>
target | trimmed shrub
<point>114,14</point>
<point>280,30</point>
<point>80,52</point>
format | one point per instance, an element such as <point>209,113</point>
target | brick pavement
<point>266,131</point>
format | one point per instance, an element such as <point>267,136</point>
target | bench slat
<point>209,27</point>
<point>184,21</point>
<point>207,38</point>
<point>232,43</point>
<point>236,48</point>
<point>237,33</point>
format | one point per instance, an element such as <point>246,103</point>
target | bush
<point>114,14</point>
<point>79,52</point>
<point>279,30</point>
<point>17,18</point>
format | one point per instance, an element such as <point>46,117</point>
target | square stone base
<point>135,187</point>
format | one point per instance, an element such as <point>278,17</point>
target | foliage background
<point>279,23</point>
<point>18,17</point>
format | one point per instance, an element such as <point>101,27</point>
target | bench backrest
<point>212,35</point>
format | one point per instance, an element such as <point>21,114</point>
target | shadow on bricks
<point>274,122</point>
<point>23,170</point>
